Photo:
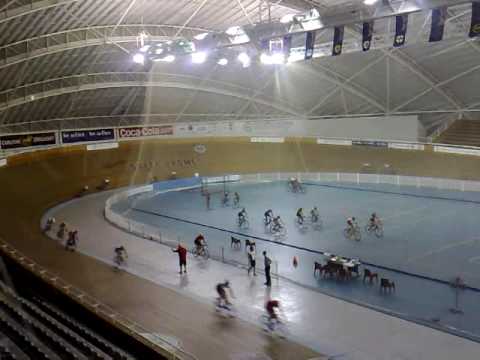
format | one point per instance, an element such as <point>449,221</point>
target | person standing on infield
<point>182,257</point>
<point>268,262</point>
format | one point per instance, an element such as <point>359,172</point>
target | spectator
<point>268,262</point>
<point>182,257</point>
<point>251,260</point>
<point>49,224</point>
<point>71,243</point>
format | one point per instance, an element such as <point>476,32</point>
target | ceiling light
<point>139,58</point>
<point>200,36</point>
<point>168,58</point>
<point>287,18</point>
<point>199,57</point>
<point>244,59</point>
<point>222,62</point>
<point>370,2</point>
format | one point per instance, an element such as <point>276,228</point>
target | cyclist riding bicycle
<point>277,224</point>
<point>268,216</point>
<point>300,217</point>
<point>352,223</point>
<point>315,215</point>
<point>236,198</point>
<point>120,255</point>
<point>222,300</point>
<point>242,217</point>
<point>374,222</point>
<point>200,244</point>
<point>226,199</point>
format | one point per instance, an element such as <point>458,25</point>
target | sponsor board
<point>406,146</point>
<point>28,140</point>
<point>268,139</point>
<point>136,132</point>
<point>334,142</point>
<point>370,143</point>
<point>102,146</point>
<point>77,136</point>
<point>456,150</point>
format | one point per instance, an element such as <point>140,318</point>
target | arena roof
<point>68,63</point>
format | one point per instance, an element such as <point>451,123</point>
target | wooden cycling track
<point>33,182</point>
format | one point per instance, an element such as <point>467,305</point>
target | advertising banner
<point>27,140</point>
<point>439,16</point>
<point>309,45</point>
<point>475,24</point>
<point>401,23</point>
<point>144,131</point>
<point>77,136</point>
<point>370,143</point>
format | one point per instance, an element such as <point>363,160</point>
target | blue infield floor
<point>430,237</point>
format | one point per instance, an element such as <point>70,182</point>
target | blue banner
<point>337,40</point>
<point>287,44</point>
<point>309,45</point>
<point>438,24</point>
<point>367,34</point>
<point>401,23</point>
<point>475,26</point>
<point>78,136</point>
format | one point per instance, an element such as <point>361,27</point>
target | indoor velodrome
<point>239,180</point>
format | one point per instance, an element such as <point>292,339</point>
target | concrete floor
<point>326,324</point>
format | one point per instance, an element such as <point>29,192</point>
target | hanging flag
<point>438,24</point>
<point>401,22</point>
<point>367,35</point>
<point>309,45</point>
<point>475,26</point>
<point>337,40</point>
<point>287,44</point>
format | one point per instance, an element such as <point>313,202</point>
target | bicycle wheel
<point>347,233</point>
<point>357,234</point>
<point>379,231</point>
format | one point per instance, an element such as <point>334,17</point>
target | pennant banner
<point>337,41</point>
<point>367,35</point>
<point>475,26</point>
<point>309,45</point>
<point>438,24</point>
<point>401,22</point>
<point>287,44</point>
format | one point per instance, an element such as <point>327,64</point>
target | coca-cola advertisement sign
<point>144,131</point>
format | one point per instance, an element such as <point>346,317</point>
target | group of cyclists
<point>224,304</point>
<point>314,216</point>
<point>374,225</point>
<point>226,199</point>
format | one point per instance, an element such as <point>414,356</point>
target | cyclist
<point>300,217</point>
<point>277,224</point>
<point>236,199</point>
<point>374,222</point>
<point>226,198</point>
<point>268,216</point>
<point>200,244</point>
<point>242,217</point>
<point>270,307</point>
<point>222,300</point>
<point>120,255</point>
<point>352,223</point>
<point>315,215</point>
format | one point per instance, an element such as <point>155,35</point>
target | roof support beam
<point>89,82</point>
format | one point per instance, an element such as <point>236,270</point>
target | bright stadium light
<point>287,18</point>
<point>144,48</point>
<point>370,2</point>
<point>200,36</point>
<point>199,57</point>
<point>222,62</point>
<point>244,59</point>
<point>139,58</point>
<point>168,58</point>
<point>276,58</point>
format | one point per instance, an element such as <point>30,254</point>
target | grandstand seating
<point>43,331</point>
<point>461,132</point>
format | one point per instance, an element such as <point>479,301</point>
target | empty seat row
<point>46,336</point>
